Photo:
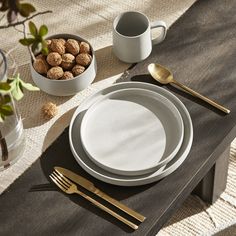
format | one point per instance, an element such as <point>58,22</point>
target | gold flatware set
<point>63,179</point>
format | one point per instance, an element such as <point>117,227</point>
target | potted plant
<point>17,13</point>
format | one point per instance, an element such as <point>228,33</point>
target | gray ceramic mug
<point>132,40</point>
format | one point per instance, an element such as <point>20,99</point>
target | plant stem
<point>23,21</point>
<point>29,48</point>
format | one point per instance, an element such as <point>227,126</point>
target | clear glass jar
<point>12,141</point>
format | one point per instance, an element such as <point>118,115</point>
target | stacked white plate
<point>131,134</point>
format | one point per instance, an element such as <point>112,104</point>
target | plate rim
<point>138,181</point>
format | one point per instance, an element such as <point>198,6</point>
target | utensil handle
<point>120,206</point>
<point>106,209</point>
<point>196,94</point>
<point>157,24</point>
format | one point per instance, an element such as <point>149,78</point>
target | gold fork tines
<point>68,187</point>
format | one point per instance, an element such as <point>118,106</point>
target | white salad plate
<point>89,166</point>
<point>132,131</point>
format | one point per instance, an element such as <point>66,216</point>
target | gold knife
<point>90,187</point>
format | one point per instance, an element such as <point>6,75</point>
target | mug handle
<point>156,24</point>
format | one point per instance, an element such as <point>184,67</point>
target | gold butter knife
<point>90,187</point>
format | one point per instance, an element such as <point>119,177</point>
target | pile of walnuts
<point>66,59</point>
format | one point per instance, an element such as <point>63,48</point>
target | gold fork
<point>68,187</point>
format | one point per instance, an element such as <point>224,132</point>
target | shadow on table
<point>57,128</point>
<point>175,90</point>
<point>59,154</point>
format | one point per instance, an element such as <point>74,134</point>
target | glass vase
<point>12,141</point>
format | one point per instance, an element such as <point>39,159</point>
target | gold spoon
<point>164,76</point>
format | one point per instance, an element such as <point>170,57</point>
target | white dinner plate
<point>132,131</point>
<point>103,175</point>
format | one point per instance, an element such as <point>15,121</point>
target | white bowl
<point>71,86</point>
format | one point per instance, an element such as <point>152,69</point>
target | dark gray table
<point>200,50</point>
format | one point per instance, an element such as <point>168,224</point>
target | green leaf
<point>6,99</point>
<point>4,86</point>
<point>25,9</point>
<point>43,30</point>
<point>33,29</point>
<point>6,110</point>
<point>28,86</point>
<point>45,51</point>
<point>17,85</point>
<point>27,41</point>
<point>17,93</point>
<point>44,43</point>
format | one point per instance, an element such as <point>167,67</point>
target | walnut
<point>67,75</point>
<point>72,46</point>
<point>55,72</point>
<point>54,59</point>
<point>41,65</point>
<point>77,70</point>
<point>83,59</point>
<point>57,46</point>
<point>40,56</point>
<point>63,41</point>
<point>68,61</point>
<point>49,110</point>
<point>84,47</point>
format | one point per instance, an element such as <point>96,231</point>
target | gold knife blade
<point>91,187</point>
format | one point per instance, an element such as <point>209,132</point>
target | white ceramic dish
<point>71,86</point>
<point>103,175</point>
<point>132,131</point>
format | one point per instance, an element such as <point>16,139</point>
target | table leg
<point>214,183</point>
